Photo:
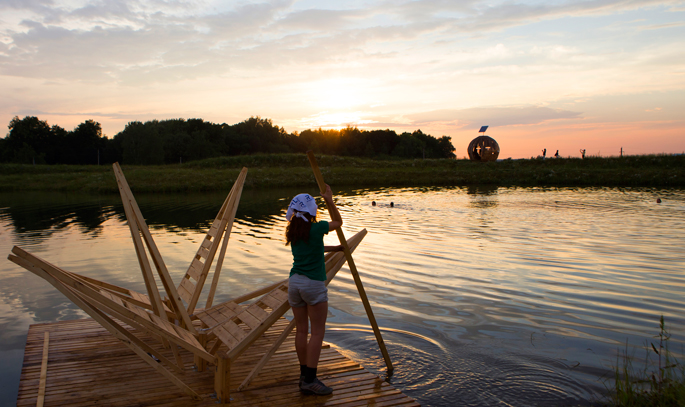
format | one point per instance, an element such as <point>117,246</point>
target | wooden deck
<point>87,366</point>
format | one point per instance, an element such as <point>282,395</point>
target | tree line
<point>31,140</point>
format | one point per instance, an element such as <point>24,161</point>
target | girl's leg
<point>317,315</point>
<point>302,326</point>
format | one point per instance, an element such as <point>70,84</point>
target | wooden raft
<point>88,366</point>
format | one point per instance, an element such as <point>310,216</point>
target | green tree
<point>84,144</point>
<point>28,140</point>
<point>445,147</point>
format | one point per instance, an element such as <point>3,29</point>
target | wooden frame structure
<point>215,335</point>
<point>234,328</point>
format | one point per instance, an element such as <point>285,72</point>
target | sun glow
<point>334,120</point>
<point>336,94</point>
<point>339,103</point>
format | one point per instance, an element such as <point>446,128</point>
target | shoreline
<point>292,170</point>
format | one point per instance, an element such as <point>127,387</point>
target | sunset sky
<point>562,75</point>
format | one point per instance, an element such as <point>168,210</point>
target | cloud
<point>170,40</point>
<point>320,20</point>
<point>660,26</point>
<point>494,116</point>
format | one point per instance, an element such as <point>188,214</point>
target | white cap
<point>302,203</point>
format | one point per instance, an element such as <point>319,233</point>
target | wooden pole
<point>353,268</point>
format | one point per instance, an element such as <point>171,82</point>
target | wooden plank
<point>225,336</point>
<point>258,292</point>
<point>136,220</point>
<point>187,287</point>
<point>43,371</point>
<point>257,312</point>
<point>229,210</point>
<point>195,269</point>
<point>207,243</point>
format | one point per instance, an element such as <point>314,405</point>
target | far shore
<point>292,170</point>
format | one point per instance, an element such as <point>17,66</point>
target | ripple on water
<point>445,372</point>
<point>497,296</point>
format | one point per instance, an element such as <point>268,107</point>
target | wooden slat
<point>207,244</point>
<point>248,319</point>
<point>43,371</point>
<point>187,287</point>
<point>257,312</point>
<point>270,301</point>
<point>225,337</point>
<point>195,269</point>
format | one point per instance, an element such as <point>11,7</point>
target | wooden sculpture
<point>231,328</point>
<point>483,148</point>
<point>148,324</point>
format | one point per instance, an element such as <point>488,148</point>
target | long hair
<point>298,228</point>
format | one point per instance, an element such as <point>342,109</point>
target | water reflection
<point>485,295</point>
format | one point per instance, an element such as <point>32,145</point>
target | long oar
<point>353,268</point>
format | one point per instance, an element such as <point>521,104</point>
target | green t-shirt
<point>308,255</point>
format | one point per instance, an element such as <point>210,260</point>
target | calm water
<point>511,297</point>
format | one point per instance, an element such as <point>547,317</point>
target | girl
<point>307,291</point>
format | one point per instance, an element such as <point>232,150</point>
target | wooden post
<point>200,363</point>
<point>353,268</point>
<point>222,377</point>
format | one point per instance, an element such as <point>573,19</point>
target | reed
<point>291,170</point>
<point>660,382</point>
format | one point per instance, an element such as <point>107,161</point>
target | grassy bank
<point>285,170</point>
<point>660,382</point>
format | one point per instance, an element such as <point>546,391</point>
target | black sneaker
<point>315,387</point>
<point>301,381</point>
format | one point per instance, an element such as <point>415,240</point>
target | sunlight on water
<point>488,296</point>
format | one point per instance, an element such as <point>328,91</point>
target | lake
<point>485,296</point>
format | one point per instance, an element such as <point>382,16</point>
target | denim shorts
<point>304,291</point>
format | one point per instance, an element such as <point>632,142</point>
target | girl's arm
<point>336,220</point>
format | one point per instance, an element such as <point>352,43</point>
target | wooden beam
<point>133,223</point>
<point>132,315</point>
<point>127,338</point>
<point>263,361</point>
<point>353,268</point>
<point>176,302</point>
<point>43,371</point>
<point>229,216</point>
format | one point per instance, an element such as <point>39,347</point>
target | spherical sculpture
<point>483,148</point>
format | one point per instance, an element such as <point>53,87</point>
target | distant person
<point>307,291</point>
<point>658,200</point>
<point>556,155</point>
<point>392,205</point>
<point>373,203</point>
<point>582,153</point>
<point>544,152</point>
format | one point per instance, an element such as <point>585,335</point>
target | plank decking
<point>87,366</point>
